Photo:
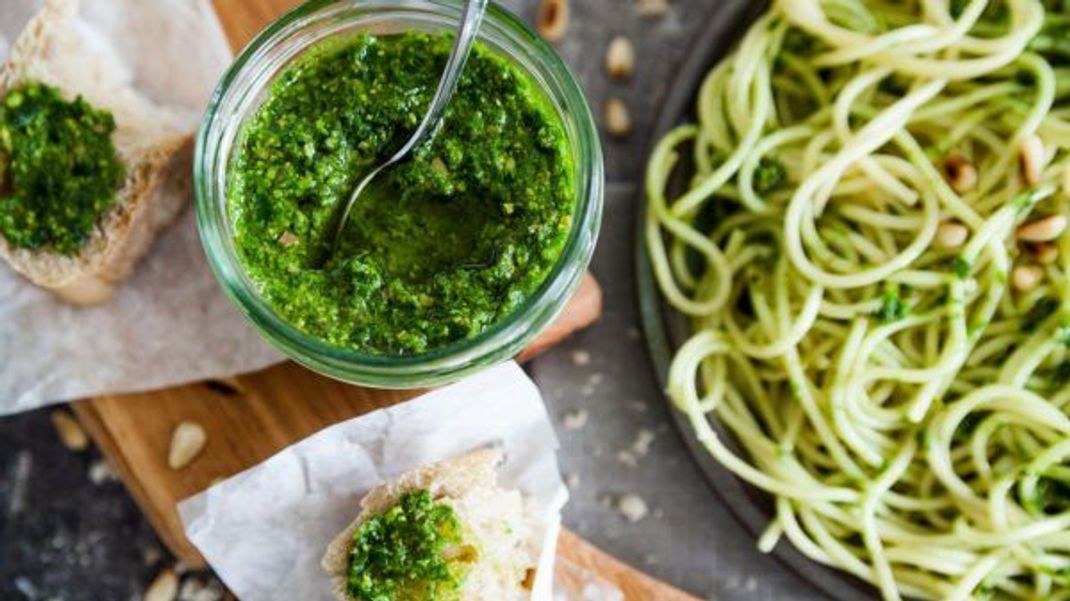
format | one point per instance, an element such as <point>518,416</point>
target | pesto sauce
<point>446,244</point>
<point>400,555</point>
<point>59,171</point>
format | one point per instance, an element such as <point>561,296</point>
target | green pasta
<point>902,394</point>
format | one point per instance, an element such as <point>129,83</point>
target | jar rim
<point>250,75</point>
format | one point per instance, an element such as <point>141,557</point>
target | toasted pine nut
<point>288,239</point>
<point>1044,229</point>
<point>620,58</point>
<point>70,432</point>
<point>1046,253</point>
<point>960,173</point>
<point>951,234</point>
<point>618,121</point>
<point>1026,277</point>
<point>553,19</point>
<point>187,442</point>
<point>1031,158</point>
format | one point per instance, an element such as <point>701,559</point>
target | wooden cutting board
<point>250,418</point>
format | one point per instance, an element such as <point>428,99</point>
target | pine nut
<point>552,19</point>
<point>960,173</point>
<point>1026,277</point>
<point>652,8</point>
<point>951,234</point>
<point>620,58</point>
<point>70,432</point>
<point>1031,158</point>
<point>1046,253</point>
<point>163,588</point>
<point>618,121</point>
<point>1044,229</point>
<point>187,442</point>
<point>288,239</point>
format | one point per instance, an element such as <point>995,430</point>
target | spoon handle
<point>447,85</point>
<point>451,76</point>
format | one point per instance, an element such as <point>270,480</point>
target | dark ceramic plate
<point>666,329</point>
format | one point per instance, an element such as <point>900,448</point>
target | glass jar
<point>245,87</point>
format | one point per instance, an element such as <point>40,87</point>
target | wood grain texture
<point>250,418</point>
<point>574,555</point>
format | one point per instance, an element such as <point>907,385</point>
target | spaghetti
<point>891,354</point>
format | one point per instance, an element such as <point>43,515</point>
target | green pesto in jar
<point>59,171</point>
<point>409,553</point>
<point>446,244</point>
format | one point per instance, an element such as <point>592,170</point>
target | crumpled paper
<point>170,323</point>
<point>265,530</point>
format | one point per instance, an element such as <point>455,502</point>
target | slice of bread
<point>492,517</point>
<point>55,48</point>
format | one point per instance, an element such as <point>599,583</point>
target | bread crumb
<point>581,358</point>
<point>632,507</point>
<point>574,419</point>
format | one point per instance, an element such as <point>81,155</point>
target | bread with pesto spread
<point>155,152</point>
<point>496,536</point>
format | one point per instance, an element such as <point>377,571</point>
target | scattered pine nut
<point>652,8</point>
<point>620,58</point>
<point>1046,253</point>
<point>70,432</point>
<point>163,588</point>
<point>617,120</point>
<point>1031,158</point>
<point>187,442</point>
<point>960,173</point>
<point>951,234</point>
<point>553,19</point>
<point>1026,277</point>
<point>1044,229</point>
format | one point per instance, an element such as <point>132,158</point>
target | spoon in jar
<point>467,32</point>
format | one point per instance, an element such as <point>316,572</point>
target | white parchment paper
<point>265,530</point>
<point>170,323</point>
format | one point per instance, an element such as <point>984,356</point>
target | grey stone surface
<point>65,538</point>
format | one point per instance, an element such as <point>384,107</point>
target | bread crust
<point>158,161</point>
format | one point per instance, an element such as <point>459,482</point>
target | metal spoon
<point>451,76</point>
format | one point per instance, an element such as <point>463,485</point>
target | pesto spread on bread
<point>59,170</point>
<point>409,553</point>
